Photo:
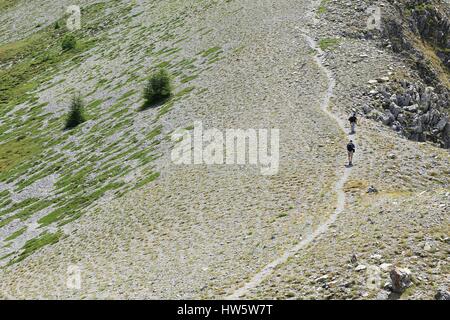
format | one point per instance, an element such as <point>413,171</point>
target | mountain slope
<point>107,198</point>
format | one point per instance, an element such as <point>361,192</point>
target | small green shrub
<point>69,42</point>
<point>76,114</point>
<point>158,88</point>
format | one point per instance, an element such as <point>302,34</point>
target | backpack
<point>351,147</point>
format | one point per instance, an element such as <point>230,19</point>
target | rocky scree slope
<point>164,240</point>
<point>403,221</point>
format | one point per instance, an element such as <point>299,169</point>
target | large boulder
<point>400,279</point>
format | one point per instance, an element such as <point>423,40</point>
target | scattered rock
<point>412,108</point>
<point>392,156</point>
<point>442,295</point>
<point>360,267</point>
<point>383,79</point>
<point>427,247</point>
<point>349,284</point>
<point>441,124</point>
<point>322,279</point>
<point>400,279</point>
<point>385,267</point>
<point>372,189</point>
<point>388,118</point>
<point>376,256</point>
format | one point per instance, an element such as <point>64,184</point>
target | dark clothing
<point>351,147</point>
<point>352,119</point>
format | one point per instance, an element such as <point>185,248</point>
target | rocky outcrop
<point>419,29</point>
<point>417,111</point>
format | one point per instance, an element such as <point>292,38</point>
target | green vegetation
<point>147,180</point>
<point>16,151</point>
<point>92,163</point>
<point>328,43</point>
<point>73,208</point>
<point>69,42</point>
<point>76,114</point>
<point>28,211</point>
<point>212,54</point>
<point>17,206</point>
<point>210,51</point>
<point>322,8</point>
<point>37,243</point>
<point>421,7</point>
<point>5,4</point>
<point>16,234</point>
<point>158,88</point>
<point>31,61</point>
<point>164,109</point>
<point>189,78</point>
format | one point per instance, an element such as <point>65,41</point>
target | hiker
<point>351,150</point>
<point>353,121</point>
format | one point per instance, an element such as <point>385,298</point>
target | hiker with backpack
<point>353,122</point>
<point>350,150</point>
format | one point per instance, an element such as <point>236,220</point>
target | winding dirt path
<point>267,270</point>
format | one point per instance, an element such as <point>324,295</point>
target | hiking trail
<point>267,270</point>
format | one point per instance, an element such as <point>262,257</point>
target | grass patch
<point>73,209</point>
<point>37,243</point>
<point>16,234</point>
<point>353,185</point>
<point>328,43</point>
<point>322,8</point>
<point>165,108</point>
<point>184,92</point>
<point>6,4</point>
<point>148,179</point>
<point>14,152</point>
<point>32,60</point>
<point>210,51</point>
<point>189,78</point>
